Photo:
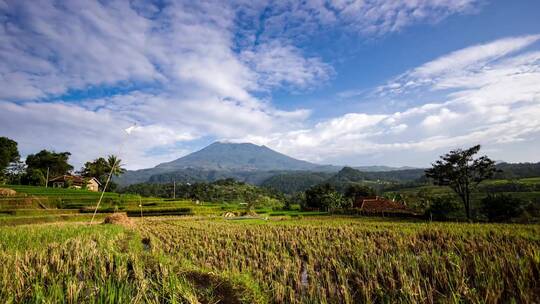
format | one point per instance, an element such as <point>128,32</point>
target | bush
<point>355,192</point>
<point>444,208</point>
<point>323,197</point>
<point>33,177</point>
<point>501,207</point>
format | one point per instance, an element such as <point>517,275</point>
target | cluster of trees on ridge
<point>221,191</point>
<point>458,170</point>
<point>35,169</point>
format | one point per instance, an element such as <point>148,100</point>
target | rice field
<point>281,260</point>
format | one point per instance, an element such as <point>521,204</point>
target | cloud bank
<point>75,74</point>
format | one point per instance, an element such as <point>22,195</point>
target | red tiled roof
<point>61,178</point>
<point>381,205</point>
<point>74,178</point>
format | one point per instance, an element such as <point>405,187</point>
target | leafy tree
<point>56,162</point>
<point>298,198</point>
<point>459,170</point>
<point>9,153</point>
<point>251,198</point>
<point>98,168</point>
<point>423,200</point>
<point>356,191</point>
<point>501,207</point>
<point>33,177</point>
<point>444,207</point>
<point>323,196</point>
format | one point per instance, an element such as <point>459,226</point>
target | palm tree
<point>115,165</point>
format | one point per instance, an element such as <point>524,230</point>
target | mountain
<point>237,157</point>
<point>243,161</point>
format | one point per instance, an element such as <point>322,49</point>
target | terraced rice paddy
<point>287,260</point>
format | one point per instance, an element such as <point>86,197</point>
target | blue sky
<point>341,82</point>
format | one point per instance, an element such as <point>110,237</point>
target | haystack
<point>119,218</point>
<point>229,214</point>
<point>7,192</point>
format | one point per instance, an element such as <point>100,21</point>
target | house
<point>380,205</point>
<point>75,181</point>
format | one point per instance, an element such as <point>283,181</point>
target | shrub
<point>444,208</point>
<point>33,177</point>
<point>323,197</point>
<point>501,207</point>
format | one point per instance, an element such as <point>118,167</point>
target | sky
<point>344,82</point>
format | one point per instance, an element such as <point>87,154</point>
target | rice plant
<point>282,260</point>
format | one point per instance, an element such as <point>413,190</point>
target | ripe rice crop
<point>299,260</point>
<point>352,261</point>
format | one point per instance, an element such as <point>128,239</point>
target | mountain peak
<point>238,157</point>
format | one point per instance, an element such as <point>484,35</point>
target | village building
<point>75,181</point>
<point>380,205</point>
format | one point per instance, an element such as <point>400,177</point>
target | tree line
<point>226,190</point>
<point>460,170</point>
<point>37,167</point>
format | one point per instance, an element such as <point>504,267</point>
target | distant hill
<point>381,168</point>
<point>518,170</point>
<point>291,182</point>
<point>242,161</point>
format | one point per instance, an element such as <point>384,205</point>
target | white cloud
<point>278,64</point>
<point>435,120</point>
<point>496,103</point>
<point>183,52</point>
<point>474,56</point>
<point>465,67</point>
<point>380,16</point>
<point>204,71</point>
<point>300,20</point>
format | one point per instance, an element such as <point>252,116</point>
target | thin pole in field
<point>103,192</point>
<point>140,206</point>
<point>128,131</point>
<point>47,179</point>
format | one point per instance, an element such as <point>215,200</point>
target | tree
<point>33,177</point>
<point>323,196</point>
<point>501,207</point>
<point>444,207</point>
<point>114,165</point>
<point>57,163</point>
<point>459,170</point>
<point>251,198</point>
<point>9,153</point>
<point>355,192</point>
<point>98,168</point>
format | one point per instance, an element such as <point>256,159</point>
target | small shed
<point>75,181</point>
